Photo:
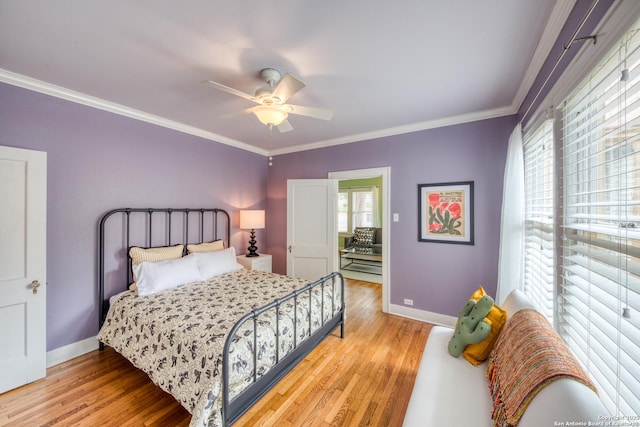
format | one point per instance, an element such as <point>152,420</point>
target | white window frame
<point>539,235</point>
<point>350,209</point>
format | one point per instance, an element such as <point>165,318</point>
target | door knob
<point>289,248</point>
<point>35,285</point>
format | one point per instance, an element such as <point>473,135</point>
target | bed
<point>215,336</point>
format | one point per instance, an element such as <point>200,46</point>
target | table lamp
<point>252,220</point>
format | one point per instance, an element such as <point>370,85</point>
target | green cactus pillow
<point>472,326</point>
<point>477,353</point>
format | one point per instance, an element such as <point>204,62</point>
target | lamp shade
<point>251,219</point>
<point>270,115</point>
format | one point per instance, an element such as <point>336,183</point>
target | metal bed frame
<point>214,224</point>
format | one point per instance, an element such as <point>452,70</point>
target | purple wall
<point>438,277</point>
<point>98,161</point>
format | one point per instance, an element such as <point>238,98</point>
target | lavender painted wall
<point>438,277</point>
<point>98,161</point>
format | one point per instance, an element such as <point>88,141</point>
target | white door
<point>23,214</point>
<point>312,237</point>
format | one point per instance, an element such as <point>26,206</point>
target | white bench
<point>451,392</point>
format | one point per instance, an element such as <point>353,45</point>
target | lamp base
<point>252,245</point>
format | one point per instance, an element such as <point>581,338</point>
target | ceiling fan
<point>272,109</point>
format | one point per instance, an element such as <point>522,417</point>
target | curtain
<point>375,204</point>
<point>365,209</point>
<point>510,261</point>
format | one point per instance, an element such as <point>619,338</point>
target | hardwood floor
<point>365,379</point>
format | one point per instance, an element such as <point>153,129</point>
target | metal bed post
<point>233,409</point>
<point>169,219</point>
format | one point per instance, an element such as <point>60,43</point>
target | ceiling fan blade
<point>288,86</point>
<point>237,113</point>
<point>285,126</point>
<point>231,90</point>
<point>316,113</point>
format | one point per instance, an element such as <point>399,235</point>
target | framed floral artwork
<point>445,212</point>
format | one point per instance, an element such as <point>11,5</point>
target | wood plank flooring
<point>365,379</point>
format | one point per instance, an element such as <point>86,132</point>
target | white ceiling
<point>383,67</point>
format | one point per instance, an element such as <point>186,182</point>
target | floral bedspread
<point>177,336</point>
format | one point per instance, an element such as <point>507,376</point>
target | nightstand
<point>260,263</point>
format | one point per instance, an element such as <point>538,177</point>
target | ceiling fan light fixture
<point>270,116</point>
<point>272,109</point>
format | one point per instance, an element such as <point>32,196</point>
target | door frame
<point>385,173</point>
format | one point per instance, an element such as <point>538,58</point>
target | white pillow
<point>158,276</point>
<point>216,263</point>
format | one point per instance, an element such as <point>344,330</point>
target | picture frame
<point>445,212</point>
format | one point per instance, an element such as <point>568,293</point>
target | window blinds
<point>539,217</point>
<point>599,281</point>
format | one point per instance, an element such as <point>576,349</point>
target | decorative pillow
<point>158,276</point>
<point>478,353</point>
<point>364,236</point>
<point>472,326</point>
<point>216,263</point>
<point>216,245</point>
<point>161,253</point>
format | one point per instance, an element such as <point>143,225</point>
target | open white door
<point>312,237</point>
<point>23,245</point>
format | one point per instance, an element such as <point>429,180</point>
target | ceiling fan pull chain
<point>270,145</point>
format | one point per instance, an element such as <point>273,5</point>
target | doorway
<point>360,209</point>
<point>384,175</point>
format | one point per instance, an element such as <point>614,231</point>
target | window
<point>357,207</point>
<point>599,276</point>
<point>593,295</point>
<point>539,269</point>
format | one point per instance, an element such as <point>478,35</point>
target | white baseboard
<point>423,316</point>
<point>71,351</point>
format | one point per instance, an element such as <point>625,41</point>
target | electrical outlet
<point>408,301</point>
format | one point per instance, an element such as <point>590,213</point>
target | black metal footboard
<point>232,409</point>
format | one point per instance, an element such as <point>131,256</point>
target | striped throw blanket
<point>528,355</point>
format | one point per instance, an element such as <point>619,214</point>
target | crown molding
<point>557,19</point>
<point>112,107</point>
<point>94,102</point>
<point>559,15</point>
<point>616,22</point>
<point>398,130</point>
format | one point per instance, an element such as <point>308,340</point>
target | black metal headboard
<point>147,227</point>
